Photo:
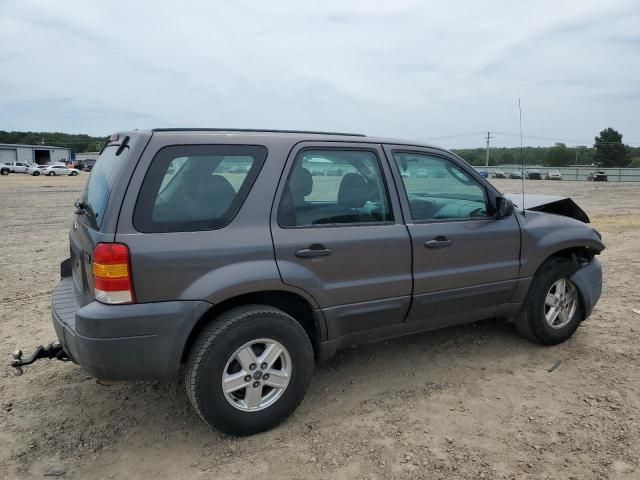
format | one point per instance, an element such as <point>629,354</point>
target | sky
<point>445,72</point>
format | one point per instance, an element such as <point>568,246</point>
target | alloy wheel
<point>256,375</point>
<point>560,303</point>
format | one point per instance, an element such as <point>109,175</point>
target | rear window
<point>101,181</point>
<point>193,188</point>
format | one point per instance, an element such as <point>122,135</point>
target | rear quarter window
<point>195,188</point>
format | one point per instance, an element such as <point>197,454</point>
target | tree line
<point>608,150</point>
<point>78,143</point>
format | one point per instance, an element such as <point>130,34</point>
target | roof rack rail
<point>255,130</point>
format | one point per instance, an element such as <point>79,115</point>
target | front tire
<point>553,311</point>
<point>35,174</point>
<point>51,174</point>
<point>249,369</point>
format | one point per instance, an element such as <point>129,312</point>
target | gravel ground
<point>469,402</point>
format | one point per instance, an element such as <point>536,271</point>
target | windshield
<point>101,181</point>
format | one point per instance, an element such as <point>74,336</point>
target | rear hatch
<point>98,206</point>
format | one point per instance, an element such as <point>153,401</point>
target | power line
<point>565,140</point>
<point>457,135</point>
<point>533,137</point>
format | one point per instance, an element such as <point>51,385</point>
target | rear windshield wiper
<point>80,207</point>
<point>123,145</point>
<point>83,208</point>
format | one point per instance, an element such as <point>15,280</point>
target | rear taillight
<point>112,273</point>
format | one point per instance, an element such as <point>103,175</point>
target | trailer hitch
<point>51,351</point>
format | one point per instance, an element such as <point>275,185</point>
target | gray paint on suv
<point>338,232</point>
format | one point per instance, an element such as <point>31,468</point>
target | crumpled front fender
<point>588,280</point>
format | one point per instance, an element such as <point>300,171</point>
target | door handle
<point>438,242</point>
<point>315,250</point>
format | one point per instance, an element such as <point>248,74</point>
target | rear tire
<point>73,174</point>
<point>35,174</point>
<point>220,354</point>
<point>550,317</point>
<point>4,171</point>
<point>51,174</point>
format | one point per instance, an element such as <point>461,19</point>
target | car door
<point>338,235</point>
<point>465,261</point>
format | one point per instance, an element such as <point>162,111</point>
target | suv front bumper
<point>142,341</point>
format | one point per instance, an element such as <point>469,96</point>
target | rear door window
<point>333,187</point>
<point>194,188</point>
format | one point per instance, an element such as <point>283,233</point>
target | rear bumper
<point>123,342</point>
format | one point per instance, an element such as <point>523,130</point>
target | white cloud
<point>403,68</point>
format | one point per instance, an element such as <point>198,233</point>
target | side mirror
<point>504,207</point>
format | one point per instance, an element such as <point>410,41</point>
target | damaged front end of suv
<point>557,226</point>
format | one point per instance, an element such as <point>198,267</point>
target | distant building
<point>39,154</point>
<point>84,156</point>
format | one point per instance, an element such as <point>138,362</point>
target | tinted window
<point>197,187</point>
<point>437,189</point>
<point>101,181</point>
<point>334,187</point>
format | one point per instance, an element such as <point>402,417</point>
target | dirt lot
<point>467,402</point>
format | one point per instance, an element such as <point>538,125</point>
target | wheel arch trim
<point>296,303</point>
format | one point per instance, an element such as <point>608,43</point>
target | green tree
<point>635,162</point>
<point>559,156</point>
<point>585,155</point>
<point>507,158</point>
<point>473,156</point>
<point>610,151</point>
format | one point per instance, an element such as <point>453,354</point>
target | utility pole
<point>486,161</point>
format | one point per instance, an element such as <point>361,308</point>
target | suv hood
<point>549,204</point>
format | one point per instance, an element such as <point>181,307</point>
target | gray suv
<point>239,257</point>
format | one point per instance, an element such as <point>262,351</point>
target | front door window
<point>437,189</point>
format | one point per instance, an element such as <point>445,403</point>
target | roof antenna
<point>521,158</point>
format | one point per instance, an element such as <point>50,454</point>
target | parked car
<point>52,170</point>
<point>88,165</point>
<point>598,176</point>
<point>515,174</point>
<point>499,174</point>
<point>553,175</point>
<point>534,174</point>
<point>33,169</point>
<point>240,286</point>
<point>484,173</point>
